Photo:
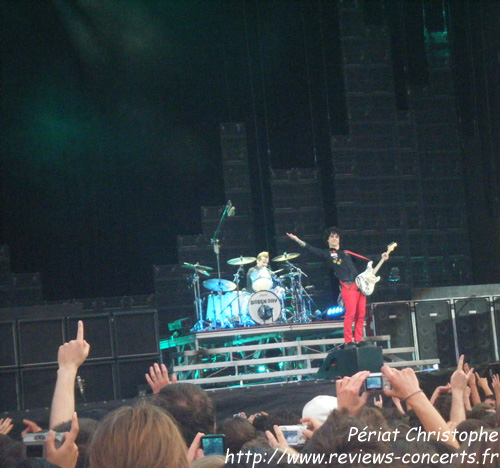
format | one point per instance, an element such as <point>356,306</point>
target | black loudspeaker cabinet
<point>346,362</point>
<point>96,382</point>
<point>38,385</point>
<point>39,340</point>
<point>136,333</point>
<point>436,338</point>
<point>496,309</point>
<point>8,348</point>
<point>131,375</point>
<point>97,332</point>
<point>394,319</point>
<point>475,330</point>
<point>9,390</point>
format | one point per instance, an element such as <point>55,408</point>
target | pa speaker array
<point>122,347</point>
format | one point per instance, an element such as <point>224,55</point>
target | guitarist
<point>340,262</point>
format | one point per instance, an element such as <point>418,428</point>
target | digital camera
<point>34,443</point>
<point>213,444</point>
<point>293,434</point>
<point>376,381</point>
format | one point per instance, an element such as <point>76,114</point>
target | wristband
<point>410,395</point>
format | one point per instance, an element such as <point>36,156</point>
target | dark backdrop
<point>111,113</point>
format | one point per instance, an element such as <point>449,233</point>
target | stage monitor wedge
<point>347,362</point>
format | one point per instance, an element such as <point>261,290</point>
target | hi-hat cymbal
<point>219,285</point>
<point>196,266</point>
<point>241,260</point>
<point>285,257</point>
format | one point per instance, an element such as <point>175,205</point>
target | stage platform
<point>268,353</point>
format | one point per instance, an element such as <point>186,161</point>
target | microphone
<point>80,383</point>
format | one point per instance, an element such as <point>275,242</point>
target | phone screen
<point>213,444</point>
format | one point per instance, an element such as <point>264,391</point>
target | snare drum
<point>264,307</point>
<point>261,279</point>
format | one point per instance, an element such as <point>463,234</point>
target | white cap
<point>320,407</point>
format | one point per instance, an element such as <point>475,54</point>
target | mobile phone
<point>213,444</point>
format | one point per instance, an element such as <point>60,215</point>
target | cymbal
<point>285,257</point>
<point>290,275</point>
<point>196,266</point>
<point>219,285</point>
<point>241,260</point>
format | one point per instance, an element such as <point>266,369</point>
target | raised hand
<point>348,389</point>
<point>296,239</point>
<point>5,425</point>
<point>72,355</point>
<point>31,427</point>
<point>158,377</point>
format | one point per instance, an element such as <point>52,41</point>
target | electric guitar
<point>366,281</point>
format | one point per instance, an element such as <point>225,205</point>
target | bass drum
<point>264,307</point>
<point>224,309</point>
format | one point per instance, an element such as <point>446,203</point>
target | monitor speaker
<point>347,362</point>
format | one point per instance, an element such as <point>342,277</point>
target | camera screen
<point>374,383</point>
<point>34,451</point>
<point>290,436</point>
<point>213,445</point>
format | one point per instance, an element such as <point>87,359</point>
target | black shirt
<point>339,261</point>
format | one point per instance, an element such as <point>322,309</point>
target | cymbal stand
<point>195,284</point>
<point>298,303</point>
<point>243,318</point>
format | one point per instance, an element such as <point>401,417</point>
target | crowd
<point>397,427</point>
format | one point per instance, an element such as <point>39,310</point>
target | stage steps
<point>276,353</point>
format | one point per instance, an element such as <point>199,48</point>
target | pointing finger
<point>79,333</point>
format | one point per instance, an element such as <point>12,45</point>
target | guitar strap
<point>357,255</point>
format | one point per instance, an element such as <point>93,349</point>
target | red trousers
<point>355,310</point>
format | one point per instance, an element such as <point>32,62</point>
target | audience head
<point>335,437</point>
<point>265,422</point>
<point>87,429</point>
<point>238,431</point>
<point>319,407</point>
<point>190,406</point>
<point>139,436</point>
<point>11,451</point>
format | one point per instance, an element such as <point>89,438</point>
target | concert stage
<point>268,353</point>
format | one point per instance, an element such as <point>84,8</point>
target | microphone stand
<point>215,240</point>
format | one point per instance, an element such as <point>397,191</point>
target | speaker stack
<point>123,345</point>
<point>443,328</point>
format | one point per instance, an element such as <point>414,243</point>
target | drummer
<point>260,275</point>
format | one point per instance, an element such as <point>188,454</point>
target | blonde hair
<point>262,254</point>
<point>139,436</point>
<point>209,461</point>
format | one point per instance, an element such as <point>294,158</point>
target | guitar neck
<point>379,264</point>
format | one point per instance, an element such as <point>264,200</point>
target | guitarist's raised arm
<point>296,239</point>
<point>318,252</point>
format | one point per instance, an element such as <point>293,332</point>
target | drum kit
<point>277,299</point>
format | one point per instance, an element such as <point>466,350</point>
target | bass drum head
<point>264,307</point>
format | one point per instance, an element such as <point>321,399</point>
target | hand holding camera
<point>294,435</point>
<point>56,447</point>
